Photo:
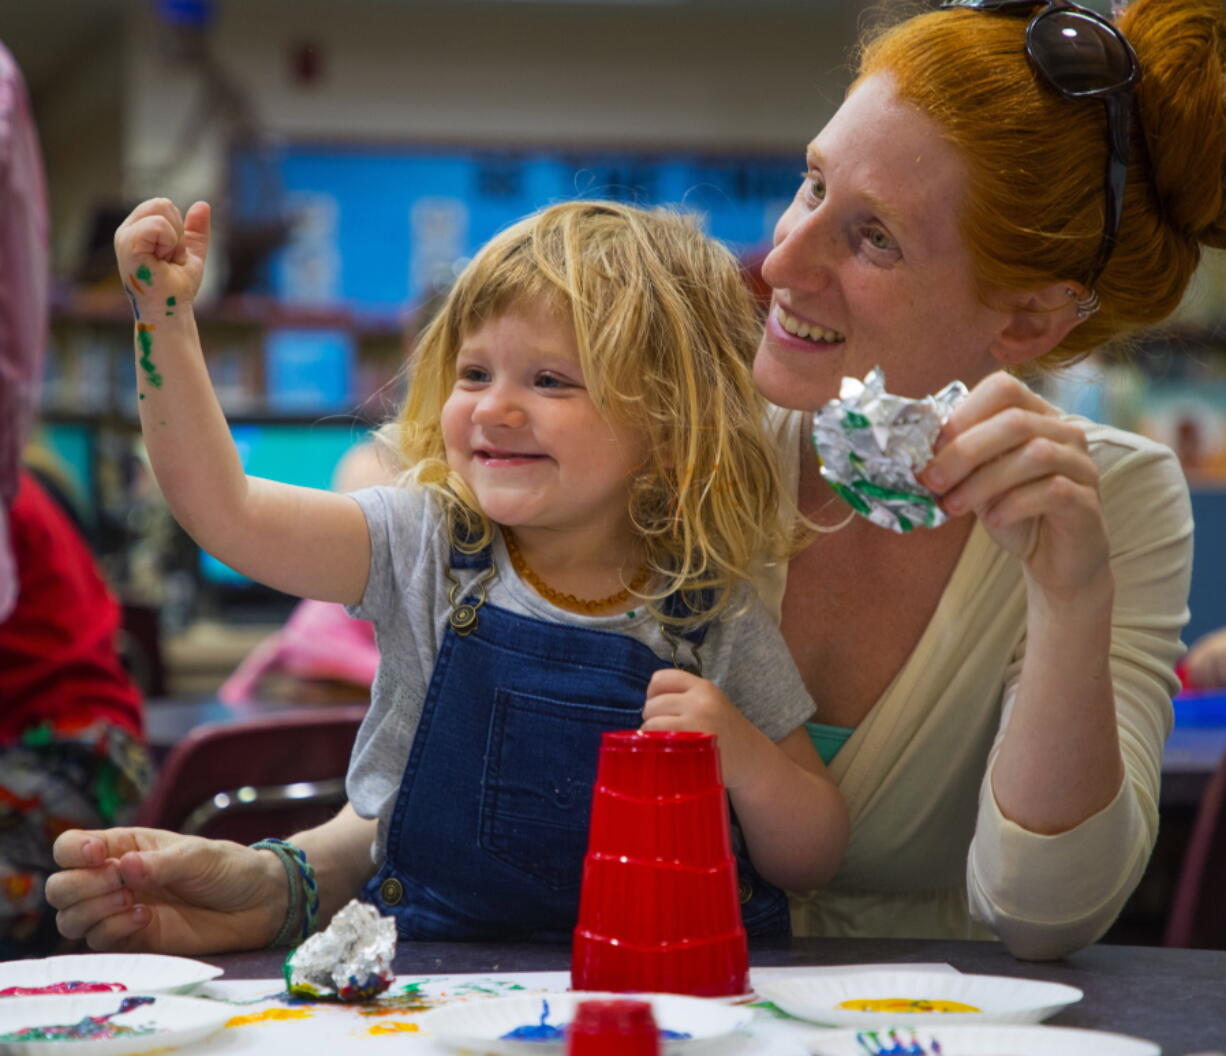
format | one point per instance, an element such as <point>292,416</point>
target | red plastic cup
<point>651,902</point>
<point>658,909</point>
<point>613,1028</point>
<point>689,829</point>
<point>658,763</point>
<point>713,967</point>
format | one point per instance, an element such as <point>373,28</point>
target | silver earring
<point>1086,306</point>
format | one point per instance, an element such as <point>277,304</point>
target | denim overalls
<point>489,829</point>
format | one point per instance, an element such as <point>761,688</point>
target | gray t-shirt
<point>407,600</point>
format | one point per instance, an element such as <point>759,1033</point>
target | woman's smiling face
<point>869,266</point>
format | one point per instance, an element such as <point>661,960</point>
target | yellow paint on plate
<point>268,1016</point>
<point>896,1005</point>
<point>395,1027</point>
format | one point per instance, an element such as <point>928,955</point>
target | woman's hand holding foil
<point>1005,455</point>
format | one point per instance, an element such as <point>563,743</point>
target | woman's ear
<point>1038,320</point>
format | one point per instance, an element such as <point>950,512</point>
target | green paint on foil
<point>855,420</point>
<point>876,491</point>
<point>851,498</point>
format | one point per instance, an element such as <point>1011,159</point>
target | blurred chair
<point>266,776</point>
<point>1198,913</point>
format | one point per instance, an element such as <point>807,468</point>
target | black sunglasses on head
<point>1082,56</point>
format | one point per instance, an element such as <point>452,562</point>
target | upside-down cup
<point>658,909</point>
<point>613,1028</point>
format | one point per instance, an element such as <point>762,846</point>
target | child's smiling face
<point>522,431</point>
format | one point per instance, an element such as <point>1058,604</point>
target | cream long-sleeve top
<point>931,855</point>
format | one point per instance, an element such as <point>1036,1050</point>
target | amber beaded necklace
<point>582,606</point>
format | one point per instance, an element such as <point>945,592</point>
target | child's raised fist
<point>161,253</point>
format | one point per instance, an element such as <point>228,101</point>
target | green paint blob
<point>851,498</point>
<point>142,395</point>
<point>855,420</point>
<point>170,302</point>
<point>876,491</point>
<point>145,275</point>
<point>145,340</point>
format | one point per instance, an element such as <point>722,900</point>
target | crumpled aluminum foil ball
<point>350,960</point>
<point>872,444</point>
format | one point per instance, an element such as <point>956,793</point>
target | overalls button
<point>391,891</point>
<point>744,891</point>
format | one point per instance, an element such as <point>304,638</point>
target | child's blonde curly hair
<point>666,332</point>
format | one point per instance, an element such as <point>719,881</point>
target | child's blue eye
<point>551,381</point>
<point>471,374</point>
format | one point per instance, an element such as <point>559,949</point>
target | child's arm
<point>298,540</point>
<point>794,817</point>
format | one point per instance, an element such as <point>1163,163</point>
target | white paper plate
<point>480,1025</point>
<point>1000,999</point>
<point>145,973</point>
<point>998,1041</point>
<point>175,1021</point>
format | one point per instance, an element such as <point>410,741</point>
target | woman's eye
<point>815,184</point>
<point>878,239</point>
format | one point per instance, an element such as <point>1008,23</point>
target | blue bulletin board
<point>378,229</point>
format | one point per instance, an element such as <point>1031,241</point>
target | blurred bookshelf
<point>299,386</point>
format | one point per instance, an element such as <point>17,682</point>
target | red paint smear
<point>61,988</point>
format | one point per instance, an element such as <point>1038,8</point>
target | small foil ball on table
<point>350,960</point>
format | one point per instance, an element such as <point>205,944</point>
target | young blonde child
<point>568,554</point>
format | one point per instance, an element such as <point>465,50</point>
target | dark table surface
<point>1176,998</point>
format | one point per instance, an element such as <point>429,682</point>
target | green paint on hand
<point>142,395</point>
<point>145,339</point>
<point>170,302</point>
<point>145,275</point>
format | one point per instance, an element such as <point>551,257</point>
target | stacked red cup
<point>613,1028</point>
<point>658,910</point>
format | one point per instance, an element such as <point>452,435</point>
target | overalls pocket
<point>536,794</point>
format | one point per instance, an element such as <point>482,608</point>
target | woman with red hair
<point>1007,185</point>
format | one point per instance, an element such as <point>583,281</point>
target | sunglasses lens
<point>1078,53</point>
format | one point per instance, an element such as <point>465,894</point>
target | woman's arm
<point>794,817</point>
<point>146,889</point>
<point>1049,891</point>
<point>299,540</point>
<point>1008,457</point>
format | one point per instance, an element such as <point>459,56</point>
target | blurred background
<point>356,154</point>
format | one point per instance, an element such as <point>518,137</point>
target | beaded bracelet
<point>302,913</point>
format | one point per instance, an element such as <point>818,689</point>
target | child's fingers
<point>672,723</point>
<point>671,680</point>
<point>197,226</point>
<point>668,704</point>
<point>154,236</point>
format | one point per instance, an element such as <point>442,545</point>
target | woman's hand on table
<point>135,889</point>
<point>1006,456</point>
